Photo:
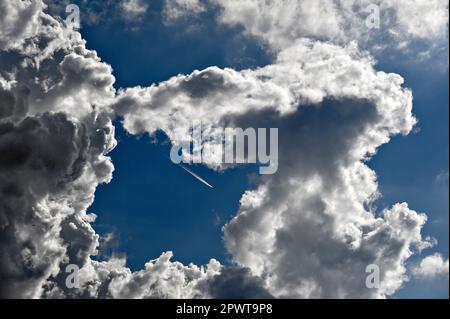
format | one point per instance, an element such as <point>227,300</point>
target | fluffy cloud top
<point>431,266</point>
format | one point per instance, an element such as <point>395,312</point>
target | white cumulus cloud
<point>431,266</point>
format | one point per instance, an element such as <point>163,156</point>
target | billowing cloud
<point>53,142</point>
<point>161,278</point>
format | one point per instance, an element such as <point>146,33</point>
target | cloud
<point>51,167</point>
<point>415,29</point>
<point>235,283</point>
<point>161,278</point>
<point>422,19</point>
<point>133,9</point>
<point>177,9</point>
<point>431,266</point>
<point>313,223</point>
<point>336,21</point>
<point>53,138</point>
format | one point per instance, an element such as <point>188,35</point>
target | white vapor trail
<point>196,176</point>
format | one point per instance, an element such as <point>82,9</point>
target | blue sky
<point>152,205</point>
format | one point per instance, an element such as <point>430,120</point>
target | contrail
<point>195,175</point>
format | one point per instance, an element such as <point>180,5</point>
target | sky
<point>359,181</point>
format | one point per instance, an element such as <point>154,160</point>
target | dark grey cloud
<point>40,156</point>
<point>237,283</point>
